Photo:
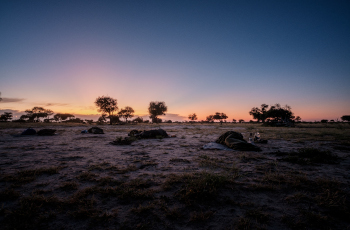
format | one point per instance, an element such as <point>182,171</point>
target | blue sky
<point>198,56</point>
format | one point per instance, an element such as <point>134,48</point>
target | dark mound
<point>134,133</point>
<point>29,131</point>
<point>125,141</point>
<point>46,132</point>
<point>96,130</point>
<point>146,134</point>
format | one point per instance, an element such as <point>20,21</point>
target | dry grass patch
<point>305,156</point>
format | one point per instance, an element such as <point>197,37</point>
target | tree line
<point>108,108</point>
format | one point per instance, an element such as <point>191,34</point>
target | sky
<point>197,56</point>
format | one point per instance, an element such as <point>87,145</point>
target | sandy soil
<point>80,181</point>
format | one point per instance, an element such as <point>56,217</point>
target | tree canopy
<point>36,113</point>
<point>192,117</point>
<point>138,119</point>
<point>156,109</point>
<point>63,116</point>
<point>210,118</point>
<point>6,116</point>
<point>107,105</point>
<point>345,118</point>
<point>127,112</point>
<point>220,116</point>
<point>259,113</point>
<point>276,113</point>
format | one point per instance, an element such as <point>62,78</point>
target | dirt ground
<point>73,180</point>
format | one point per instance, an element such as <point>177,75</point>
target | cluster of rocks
<point>95,130</point>
<point>42,132</point>
<point>231,139</point>
<point>137,134</point>
<point>146,134</point>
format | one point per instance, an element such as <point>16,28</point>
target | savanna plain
<point>74,180</point>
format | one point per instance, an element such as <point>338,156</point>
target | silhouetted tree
<point>297,119</point>
<point>192,117</point>
<point>259,113</point>
<point>63,116</point>
<point>345,118</point>
<point>48,112</point>
<point>37,113</point>
<point>106,105</point>
<point>127,112</point>
<point>219,116</point>
<point>156,120</point>
<point>234,121</point>
<point>113,118</point>
<point>279,113</point>
<point>6,116</point>
<point>102,118</point>
<point>324,121</point>
<point>276,112</point>
<point>138,120</point>
<point>210,118</point>
<point>240,120</point>
<point>156,109</point>
<point>89,121</point>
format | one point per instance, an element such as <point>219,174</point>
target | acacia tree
<point>6,116</point>
<point>138,119</point>
<point>345,118</point>
<point>259,113</point>
<point>63,116</point>
<point>156,109</point>
<point>102,118</point>
<point>127,112</point>
<point>279,113</point>
<point>107,105</point>
<point>37,113</point>
<point>192,117</point>
<point>219,116</point>
<point>210,118</point>
<point>240,120</point>
<point>276,112</point>
<point>234,121</point>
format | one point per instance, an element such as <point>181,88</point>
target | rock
<point>125,141</point>
<point>29,131</point>
<point>46,132</point>
<point>146,134</point>
<point>96,130</point>
<point>134,133</point>
<point>153,133</point>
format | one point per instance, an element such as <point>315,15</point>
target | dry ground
<point>79,181</point>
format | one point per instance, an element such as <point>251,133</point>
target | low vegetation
<point>174,184</point>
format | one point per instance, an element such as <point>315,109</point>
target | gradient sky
<point>198,56</point>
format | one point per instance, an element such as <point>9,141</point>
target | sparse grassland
<point>79,181</point>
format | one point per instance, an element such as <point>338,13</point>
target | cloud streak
<point>11,100</point>
<point>56,104</point>
<point>16,113</point>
